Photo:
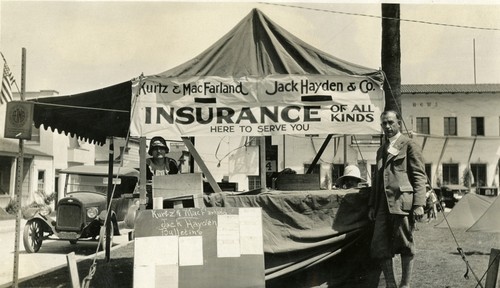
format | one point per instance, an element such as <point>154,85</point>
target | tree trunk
<point>391,56</point>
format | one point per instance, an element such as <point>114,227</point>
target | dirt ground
<point>437,263</point>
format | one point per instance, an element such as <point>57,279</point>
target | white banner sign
<point>273,105</point>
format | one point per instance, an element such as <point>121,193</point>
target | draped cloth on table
<point>312,237</point>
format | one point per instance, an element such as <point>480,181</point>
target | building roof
<point>449,88</point>
<point>10,147</point>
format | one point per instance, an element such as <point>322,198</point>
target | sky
<point>78,46</point>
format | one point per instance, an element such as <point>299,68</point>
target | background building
<point>45,155</point>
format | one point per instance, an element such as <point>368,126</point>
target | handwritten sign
<point>193,245</point>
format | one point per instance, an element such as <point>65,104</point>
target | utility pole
<point>19,181</point>
<point>391,56</point>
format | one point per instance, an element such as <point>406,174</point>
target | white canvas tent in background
<point>489,221</point>
<point>467,211</point>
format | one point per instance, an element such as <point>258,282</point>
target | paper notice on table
<point>144,276</point>
<point>190,251</point>
<point>228,236</point>
<point>166,276</point>
<point>251,239</point>
<point>156,250</point>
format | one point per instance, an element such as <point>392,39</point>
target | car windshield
<point>99,184</point>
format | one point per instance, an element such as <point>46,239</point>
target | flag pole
<point>19,180</point>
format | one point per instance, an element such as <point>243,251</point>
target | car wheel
<point>33,235</point>
<point>73,241</point>
<point>102,236</point>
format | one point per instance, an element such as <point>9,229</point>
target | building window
<point>337,171</point>
<point>477,126</point>
<point>479,174</point>
<point>450,126</point>
<point>423,125</point>
<point>315,170</point>
<point>253,182</point>
<point>450,174</point>
<point>41,181</point>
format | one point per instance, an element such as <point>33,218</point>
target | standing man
<point>397,199</point>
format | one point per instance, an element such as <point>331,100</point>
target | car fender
<point>48,222</point>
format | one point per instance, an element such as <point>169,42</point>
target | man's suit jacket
<point>401,175</point>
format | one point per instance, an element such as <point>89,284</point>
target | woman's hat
<point>350,171</point>
<point>157,141</point>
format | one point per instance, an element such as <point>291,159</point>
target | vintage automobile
<point>449,195</point>
<point>81,213</point>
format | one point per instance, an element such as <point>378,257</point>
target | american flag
<point>7,81</point>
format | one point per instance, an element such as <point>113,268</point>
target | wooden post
<point>203,166</point>
<point>492,276</point>
<point>142,175</point>
<point>320,152</point>
<point>345,150</point>
<point>73,270</point>
<point>19,181</point>
<point>107,222</point>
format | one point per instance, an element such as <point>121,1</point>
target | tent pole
<point>320,152</point>
<point>345,150</point>
<point>142,175</point>
<point>262,163</point>
<point>201,163</point>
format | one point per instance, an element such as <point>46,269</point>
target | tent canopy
<point>258,80</point>
<point>256,47</point>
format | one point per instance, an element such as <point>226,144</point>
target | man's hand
<point>371,213</point>
<point>418,212</point>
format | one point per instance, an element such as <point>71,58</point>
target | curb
<point>8,285</point>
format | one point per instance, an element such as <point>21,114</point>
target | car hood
<point>86,198</point>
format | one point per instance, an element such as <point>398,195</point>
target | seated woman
<point>159,163</point>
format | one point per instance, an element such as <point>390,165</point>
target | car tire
<point>102,236</point>
<point>73,242</point>
<point>33,235</point>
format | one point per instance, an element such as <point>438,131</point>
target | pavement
<point>52,255</point>
<point>9,225</point>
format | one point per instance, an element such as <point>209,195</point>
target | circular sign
<point>18,116</point>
